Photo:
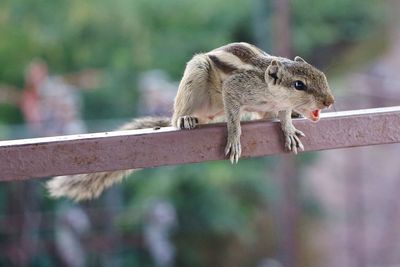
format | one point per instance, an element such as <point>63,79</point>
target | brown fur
<point>241,77</point>
<point>226,81</point>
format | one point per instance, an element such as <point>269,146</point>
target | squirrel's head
<point>303,87</point>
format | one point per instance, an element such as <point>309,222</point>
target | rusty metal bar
<point>42,157</point>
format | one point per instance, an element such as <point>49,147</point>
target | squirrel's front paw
<point>292,140</point>
<point>234,149</point>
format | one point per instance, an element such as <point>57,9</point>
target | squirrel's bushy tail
<point>87,186</point>
<point>84,186</point>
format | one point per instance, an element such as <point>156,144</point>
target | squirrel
<point>226,81</point>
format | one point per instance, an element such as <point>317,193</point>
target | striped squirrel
<point>226,81</point>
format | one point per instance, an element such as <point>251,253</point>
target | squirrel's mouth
<point>314,115</point>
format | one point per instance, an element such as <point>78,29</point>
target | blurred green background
<point>219,214</point>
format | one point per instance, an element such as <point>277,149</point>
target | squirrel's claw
<point>233,148</point>
<point>187,122</point>
<point>292,141</point>
<point>299,133</point>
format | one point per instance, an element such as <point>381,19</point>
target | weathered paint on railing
<point>50,156</point>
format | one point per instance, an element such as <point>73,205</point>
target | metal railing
<point>118,150</point>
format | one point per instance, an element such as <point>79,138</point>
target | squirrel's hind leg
<point>193,97</point>
<point>187,122</point>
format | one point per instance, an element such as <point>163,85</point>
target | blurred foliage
<point>223,211</point>
<point>325,30</point>
<point>10,114</point>
<point>317,24</point>
<point>123,37</point>
<point>218,207</point>
<point>128,37</point>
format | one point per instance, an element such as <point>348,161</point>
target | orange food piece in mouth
<point>315,114</point>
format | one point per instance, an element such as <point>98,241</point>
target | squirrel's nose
<point>329,100</point>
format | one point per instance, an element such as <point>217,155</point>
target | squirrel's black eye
<point>299,85</point>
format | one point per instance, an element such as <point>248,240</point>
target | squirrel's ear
<point>299,59</point>
<point>273,74</point>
